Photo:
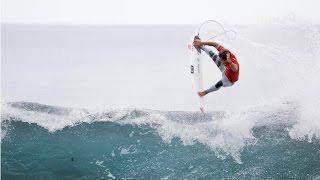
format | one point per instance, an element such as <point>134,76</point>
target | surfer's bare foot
<point>203,93</point>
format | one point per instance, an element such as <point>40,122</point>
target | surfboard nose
<point>196,37</point>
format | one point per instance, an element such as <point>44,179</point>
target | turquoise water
<point>112,149</point>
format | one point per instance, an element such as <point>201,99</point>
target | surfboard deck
<point>196,71</point>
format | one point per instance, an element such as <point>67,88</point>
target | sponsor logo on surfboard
<point>192,69</point>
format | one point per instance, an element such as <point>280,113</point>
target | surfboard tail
<point>201,104</point>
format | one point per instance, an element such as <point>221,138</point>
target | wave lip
<point>36,107</point>
<point>52,118</point>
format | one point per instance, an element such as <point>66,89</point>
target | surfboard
<point>196,71</point>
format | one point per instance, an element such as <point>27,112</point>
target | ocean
<point>116,102</point>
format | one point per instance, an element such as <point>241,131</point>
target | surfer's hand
<point>197,43</point>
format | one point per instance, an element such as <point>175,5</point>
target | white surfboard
<point>196,72</point>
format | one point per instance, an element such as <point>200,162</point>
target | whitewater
<point>116,102</point>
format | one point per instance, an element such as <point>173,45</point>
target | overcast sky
<point>156,11</point>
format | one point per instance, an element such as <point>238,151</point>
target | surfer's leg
<point>215,87</point>
<point>213,56</point>
<point>224,82</point>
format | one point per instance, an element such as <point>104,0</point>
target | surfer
<point>226,62</point>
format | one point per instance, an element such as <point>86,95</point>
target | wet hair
<point>223,55</point>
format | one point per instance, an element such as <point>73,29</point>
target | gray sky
<point>156,11</point>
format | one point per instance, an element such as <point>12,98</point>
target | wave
<point>149,144</point>
<point>224,133</point>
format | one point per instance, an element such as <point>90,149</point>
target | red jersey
<point>233,76</point>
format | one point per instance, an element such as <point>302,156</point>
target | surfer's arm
<point>207,43</point>
<point>214,44</point>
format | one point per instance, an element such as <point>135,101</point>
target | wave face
<point>49,142</point>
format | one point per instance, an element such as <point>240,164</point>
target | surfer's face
<point>223,55</point>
